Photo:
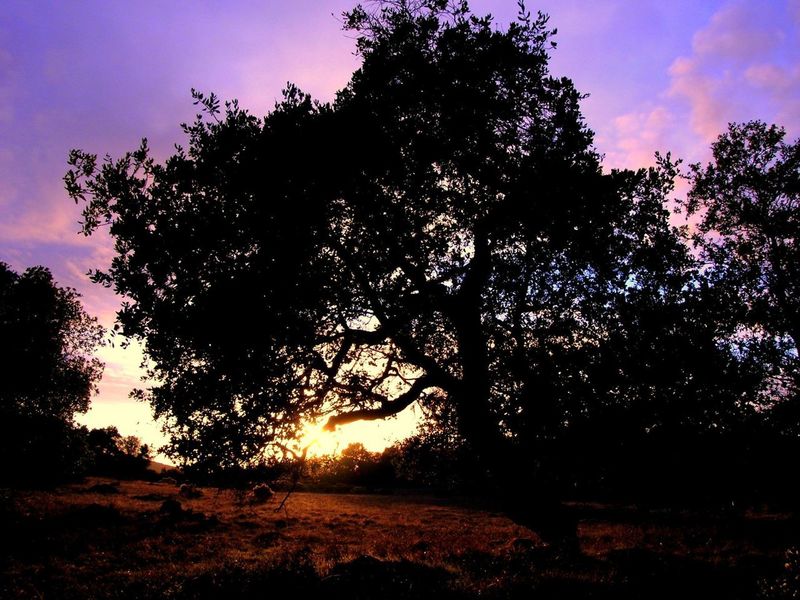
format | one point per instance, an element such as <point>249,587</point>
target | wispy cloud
<point>49,219</point>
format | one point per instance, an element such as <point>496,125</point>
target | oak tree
<point>441,232</point>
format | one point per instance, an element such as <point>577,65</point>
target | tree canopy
<point>47,362</point>
<point>747,202</point>
<point>441,232</point>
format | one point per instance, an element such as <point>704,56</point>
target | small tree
<point>133,446</point>
<point>747,201</point>
<point>47,367</point>
<point>116,455</point>
<point>47,374</point>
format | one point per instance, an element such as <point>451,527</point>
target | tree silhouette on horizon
<point>442,232</point>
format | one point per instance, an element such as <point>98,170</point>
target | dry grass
<point>77,542</point>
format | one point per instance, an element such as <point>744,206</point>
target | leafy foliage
<point>353,466</point>
<point>47,366</point>
<point>41,450</point>
<point>115,455</point>
<point>748,203</point>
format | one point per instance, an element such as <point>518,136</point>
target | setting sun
<point>374,435</point>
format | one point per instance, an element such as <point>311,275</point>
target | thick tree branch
<point>387,329</point>
<point>418,358</point>
<point>387,408</point>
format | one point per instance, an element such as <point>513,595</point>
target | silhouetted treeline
<point>743,467</point>
<point>721,469</point>
<point>41,451</point>
<point>47,374</point>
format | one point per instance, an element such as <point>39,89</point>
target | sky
<point>101,74</point>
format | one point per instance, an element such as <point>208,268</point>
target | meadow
<point>108,539</point>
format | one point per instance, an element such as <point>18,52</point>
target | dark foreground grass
<point>142,540</point>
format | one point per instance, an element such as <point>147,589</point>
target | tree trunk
<point>519,487</point>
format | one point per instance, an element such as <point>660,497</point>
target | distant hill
<point>159,467</point>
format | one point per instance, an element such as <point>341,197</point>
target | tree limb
<point>387,408</point>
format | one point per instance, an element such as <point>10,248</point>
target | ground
<point>105,539</point>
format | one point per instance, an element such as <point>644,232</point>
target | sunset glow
<point>374,435</point>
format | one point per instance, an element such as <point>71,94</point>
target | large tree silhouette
<point>442,232</point>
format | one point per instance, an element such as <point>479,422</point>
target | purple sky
<point>100,74</point>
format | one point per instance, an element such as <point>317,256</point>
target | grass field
<point>94,540</point>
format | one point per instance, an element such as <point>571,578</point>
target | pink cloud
<point>741,68</point>
<point>782,86</point>
<point>708,105</point>
<point>634,137</point>
<point>51,220</point>
<point>735,32</point>
<point>767,76</point>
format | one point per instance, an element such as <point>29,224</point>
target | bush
<point>41,451</point>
